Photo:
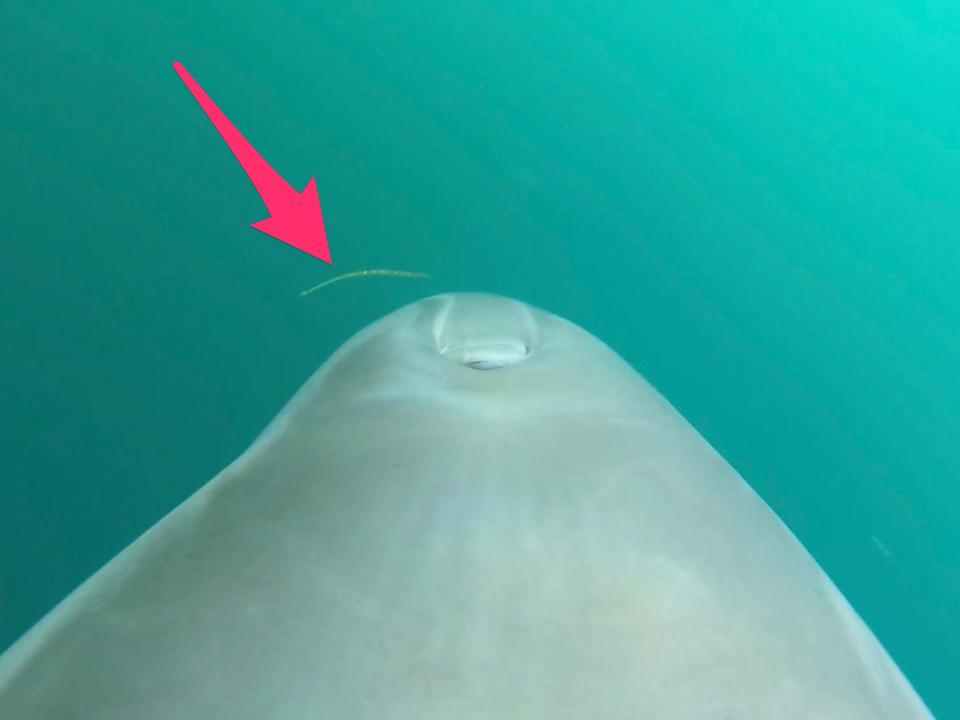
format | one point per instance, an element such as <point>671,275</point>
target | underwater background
<point>756,204</point>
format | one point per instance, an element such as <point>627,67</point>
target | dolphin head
<point>480,349</point>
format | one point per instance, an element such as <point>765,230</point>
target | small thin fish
<point>378,272</point>
<point>881,547</point>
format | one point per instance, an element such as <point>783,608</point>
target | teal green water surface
<point>756,204</point>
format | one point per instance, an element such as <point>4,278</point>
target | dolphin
<point>473,510</point>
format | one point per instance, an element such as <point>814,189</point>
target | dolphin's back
<point>474,510</point>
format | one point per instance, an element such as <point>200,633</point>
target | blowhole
<point>495,355</point>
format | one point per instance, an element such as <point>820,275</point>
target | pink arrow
<point>295,218</point>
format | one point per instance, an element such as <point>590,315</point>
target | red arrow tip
<point>300,223</point>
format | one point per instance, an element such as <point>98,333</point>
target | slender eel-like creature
<point>366,273</point>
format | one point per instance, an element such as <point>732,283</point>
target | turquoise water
<point>757,206</point>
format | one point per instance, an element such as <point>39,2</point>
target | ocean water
<point>756,204</point>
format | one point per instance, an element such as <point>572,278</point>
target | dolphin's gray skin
<point>474,510</point>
